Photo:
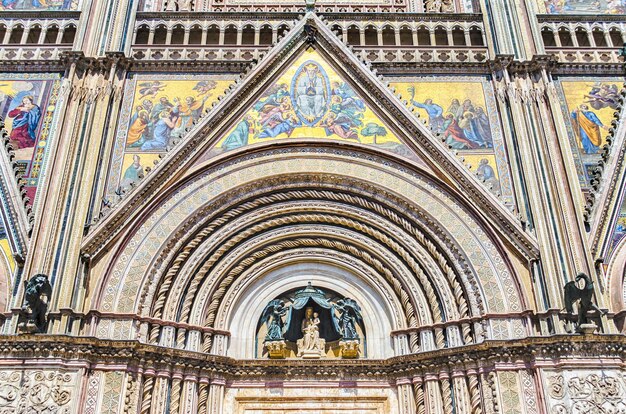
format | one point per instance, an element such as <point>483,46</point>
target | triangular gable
<point>308,33</point>
<point>13,207</point>
<point>616,230</point>
<point>588,105</point>
<point>311,100</point>
<point>608,221</point>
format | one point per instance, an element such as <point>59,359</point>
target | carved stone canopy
<point>315,298</point>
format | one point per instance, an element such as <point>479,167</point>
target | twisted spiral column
<point>418,391</point>
<point>146,396</point>
<point>175,395</point>
<point>203,396</point>
<point>474,391</point>
<point>446,394</point>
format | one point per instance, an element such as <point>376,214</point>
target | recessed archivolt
<point>214,281</point>
<point>315,263</point>
<point>217,196</point>
<point>261,221</point>
<point>428,254</point>
<point>313,212</point>
<point>439,294</point>
<point>177,294</point>
<point>306,237</point>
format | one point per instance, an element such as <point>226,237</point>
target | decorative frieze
<point>38,391</point>
<point>585,390</point>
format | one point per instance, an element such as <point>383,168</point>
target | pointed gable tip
<point>311,35</point>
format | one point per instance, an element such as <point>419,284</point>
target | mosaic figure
<point>310,100</point>
<point>26,118</point>
<point>27,105</point>
<point>310,95</point>
<point>589,105</point>
<point>587,126</point>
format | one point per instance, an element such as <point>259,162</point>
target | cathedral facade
<point>359,207</point>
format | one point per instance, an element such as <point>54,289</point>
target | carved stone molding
<point>557,350</point>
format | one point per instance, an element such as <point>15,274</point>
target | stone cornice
<point>385,68</point>
<point>402,17</point>
<point>45,14</point>
<point>554,351</point>
<point>67,58</point>
<point>96,64</point>
<point>583,68</point>
<point>194,66</point>
<point>591,18</point>
<point>32,66</point>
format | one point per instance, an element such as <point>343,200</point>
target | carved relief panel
<point>590,391</point>
<point>37,392</point>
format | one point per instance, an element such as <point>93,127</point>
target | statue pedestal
<point>349,348</point>
<point>316,352</point>
<point>27,323</point>
<point>311,354</point>
<point>587,328</point>
<point>276,349</point>
<point>28,327</point>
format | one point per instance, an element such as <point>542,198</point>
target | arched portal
<point>381,310</point>
<point>433,260</point>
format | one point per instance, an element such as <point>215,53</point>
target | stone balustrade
<point>243,37</point>
<point>583,39</point>
<point>43,31</point>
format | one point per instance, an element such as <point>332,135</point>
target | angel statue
<point>573,293</point>
<point>37,292</point>
<point>272,317</point>
<point>350,316</point>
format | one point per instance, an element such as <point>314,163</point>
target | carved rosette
<point>35,392</point>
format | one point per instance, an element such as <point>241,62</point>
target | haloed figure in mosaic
<point>26,118</point>
<point>587,126</point>
<point>133,173</point>
<point>310,92</point>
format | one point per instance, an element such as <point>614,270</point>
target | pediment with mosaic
<point>311,100</point>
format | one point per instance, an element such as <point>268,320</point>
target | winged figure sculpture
<point>273,317</point>
<point>572,294</point>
